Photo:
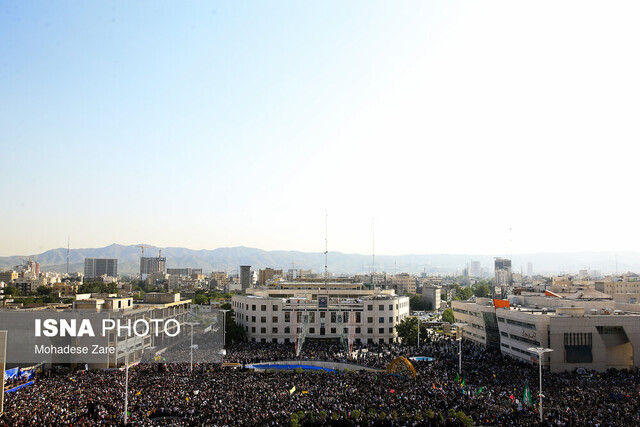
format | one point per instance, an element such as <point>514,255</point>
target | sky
<point>489,127</point>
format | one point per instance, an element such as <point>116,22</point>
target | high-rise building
<point>96,267</point>
<point>503,272</point>
<point>245,277</point>
<point>530,269</point>
<point>475,270</point>
<point>150,265</point>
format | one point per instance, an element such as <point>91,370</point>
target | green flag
<point>526,398</point>
<point>479,391</point>
<point>457,379</point>
<point>462,384</point>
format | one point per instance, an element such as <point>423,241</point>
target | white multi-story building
<point>319,310</point>
<point>590,333</point>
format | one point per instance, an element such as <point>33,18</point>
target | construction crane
<point>142,247</point>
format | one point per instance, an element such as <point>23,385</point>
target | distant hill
<point>229,259</point>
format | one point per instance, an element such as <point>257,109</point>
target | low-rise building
<point>585,329</point>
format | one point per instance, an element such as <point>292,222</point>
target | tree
<point>482,290</point>
<point>201,299</point>
<point>465,293</point>
<point>408,330</point>
<point>12,290</point>
<point>416,303</point>
<point>447,316</point>
<point>44,290</point>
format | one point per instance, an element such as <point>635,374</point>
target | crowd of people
<point>490,391</point>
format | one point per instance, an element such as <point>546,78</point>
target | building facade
<point>594,334</point>
<point>150,265</point>
<point>315,310</point>
<point>96,267</point>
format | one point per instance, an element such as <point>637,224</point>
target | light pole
<point>127,349</point>
<point>540,351</point>
<point>459,325</point>
<point>418,317</point>
<point>192,324</point>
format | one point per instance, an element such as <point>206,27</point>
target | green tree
<point>465,293</point>
<point>416,303</point>
<point>201,299</point>
<point>408,330</point>
<point>13,291</point>
<point>447,316</point>
<point>482,290</point>
<point>44,290</point>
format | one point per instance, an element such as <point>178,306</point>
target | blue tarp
<point>289,367</point>
<point>19,387</point>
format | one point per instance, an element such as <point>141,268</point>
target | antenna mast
<point>373,247</point>
<point>326,246</point>
<point>68,241</point>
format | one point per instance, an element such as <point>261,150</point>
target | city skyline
<point>455,127</point>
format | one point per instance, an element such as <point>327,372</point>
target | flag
<point>462,384</point>
<point>292,390</point>
<point>457,379</point>
<point>479,391</point>
<point>526,398</point>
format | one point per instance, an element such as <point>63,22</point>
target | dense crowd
<point>490,391</point>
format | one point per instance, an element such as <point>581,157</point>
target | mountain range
<point>229,259</point>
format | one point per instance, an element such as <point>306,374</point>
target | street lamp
<point>127,349</point>
<point>192,324</point>
<point>460,326</point>
<point>540,351</point>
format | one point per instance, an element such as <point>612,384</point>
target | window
<point>358,330</point>
<point>253,307</point>
<point>358,317</point>
<point>274,330</point>
<point>390,330</point>
<point>274,340</point>
<point>323,314</point>
<point>253,319</point>
<point>369,330</point>
<point>253,329</point>
<point>345,317</point>
<point>381,307</point>
<point>333,330</point>
<point>287,330</point>
<point>381,330</point>
<point>312,330</point>
<point>345,330</point>
<point>287,316</point>
<point>369,319</point>
<point>274,308</point>
<point>370,307</point>
<point>390,319</point>
<point>263,308</point>
<point>333,317</point>
<point>263,330</point>
<point>381,319</point>
<point>274,319</point>
<point>263,319</point>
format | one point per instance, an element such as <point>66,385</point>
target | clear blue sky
<point>210,124</point>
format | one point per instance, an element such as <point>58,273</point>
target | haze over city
<point>449,123</point>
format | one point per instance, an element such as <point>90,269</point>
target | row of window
<point>263,307</point>
<point>311,318</point>
<point>287,330</point>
